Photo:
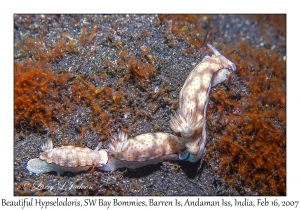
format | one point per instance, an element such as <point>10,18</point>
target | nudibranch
<point>189,120</point>
<point>144,149</point>
<point>66,158</point>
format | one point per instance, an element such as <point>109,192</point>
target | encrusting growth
<point>252,135</point>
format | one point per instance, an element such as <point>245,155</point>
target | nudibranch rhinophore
<point>144,149</point>
<point>189,120</point>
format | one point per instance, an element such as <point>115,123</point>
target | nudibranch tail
<point>98,146</point>
<point>186,125</point>
<point>38,166</point>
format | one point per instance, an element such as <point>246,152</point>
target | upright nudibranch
<point>66,158</point>
<point>194,96</point>
<point>144,149</point>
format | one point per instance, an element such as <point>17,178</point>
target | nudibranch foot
<point>39,166</point>
<point>114,164</point>
<point>197,142</point>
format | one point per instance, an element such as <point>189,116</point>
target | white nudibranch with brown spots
<point>66,158</point>
<point>194,96</point>
<point>144,149</point>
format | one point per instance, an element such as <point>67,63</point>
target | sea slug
<point>144,149</point>
<point>66,158</point>
<point>190,118</point>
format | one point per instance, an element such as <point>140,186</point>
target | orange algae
<point>40,95</point>
<point>252,145</point>
<point>139,70</point>
<point>105,103</point>
<point>37,91</point>
<point>87,38</point>
<point>37,97</point>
